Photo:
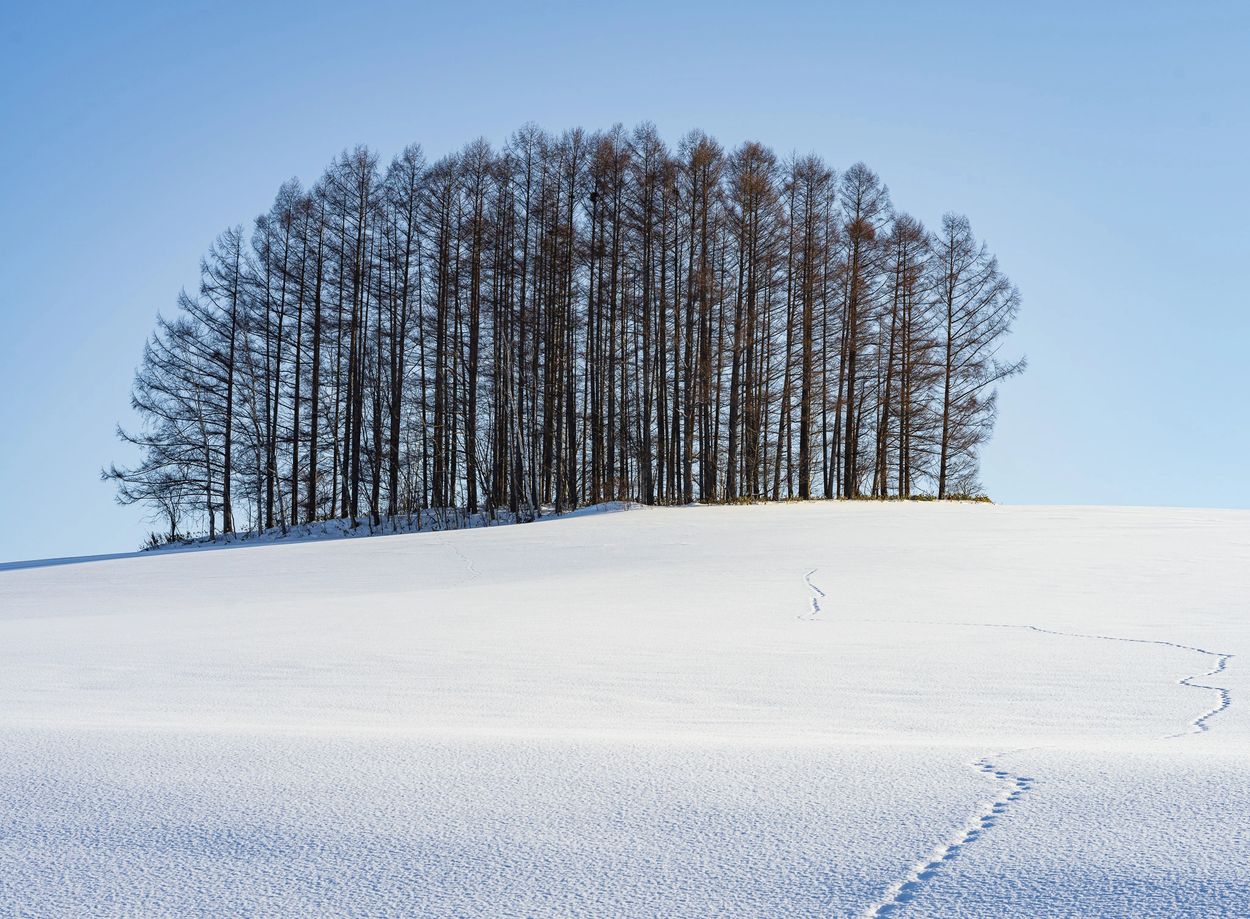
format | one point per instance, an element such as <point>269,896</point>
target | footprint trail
<point>1197,725</point>
<point>817,596</point>
<point>1011,788</point>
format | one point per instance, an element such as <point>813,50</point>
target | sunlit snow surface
<point>830,709</point>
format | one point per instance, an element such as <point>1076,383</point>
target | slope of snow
<point>437,520</point>
<point>824,709</point>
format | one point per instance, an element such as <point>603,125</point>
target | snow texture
<point>827,709</point>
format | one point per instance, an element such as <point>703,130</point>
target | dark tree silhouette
<point>568,320</point>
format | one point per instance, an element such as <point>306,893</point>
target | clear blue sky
<point>1100,149</point>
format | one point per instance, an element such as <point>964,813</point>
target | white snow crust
<point>827,709</point>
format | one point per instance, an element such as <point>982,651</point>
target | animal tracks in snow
<point>1011,788</point>
<point>471,568</point>
<point>817,596</point>
<point>1196,726</point>
<point>1225,697</point>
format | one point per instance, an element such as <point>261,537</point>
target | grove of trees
<point>567,320</point>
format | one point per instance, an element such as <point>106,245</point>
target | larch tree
<point>563,320</point>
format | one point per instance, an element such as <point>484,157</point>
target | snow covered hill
<point>799,710</point>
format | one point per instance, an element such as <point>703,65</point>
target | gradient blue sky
<point>1100,149</point>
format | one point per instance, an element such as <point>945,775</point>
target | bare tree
<point>978,305</point>
<point>570,319</point>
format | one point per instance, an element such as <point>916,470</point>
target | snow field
<point>825,709</point>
